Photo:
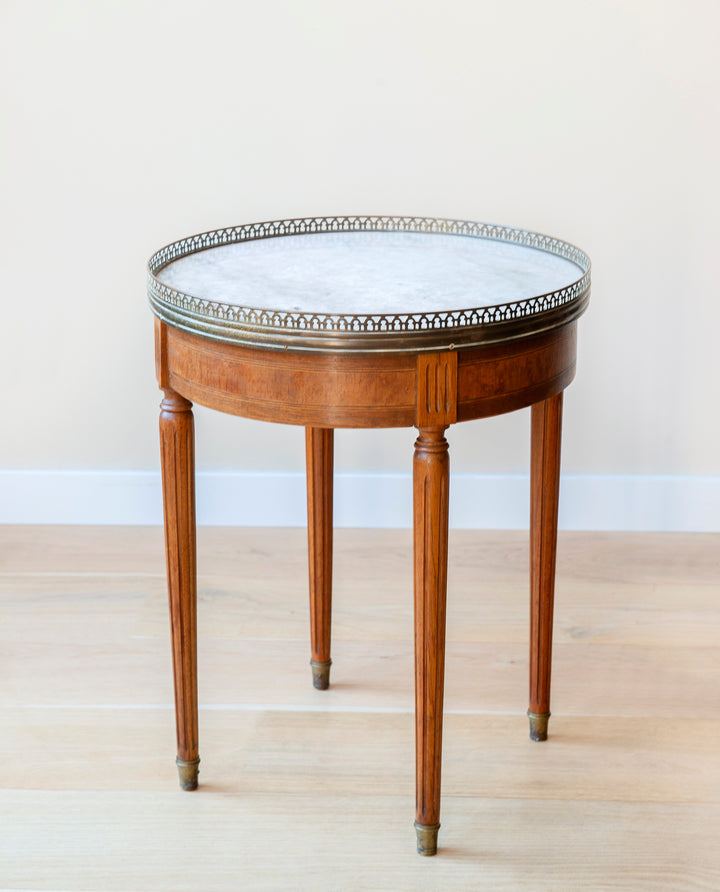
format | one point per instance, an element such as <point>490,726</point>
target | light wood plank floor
<point>302,789</point>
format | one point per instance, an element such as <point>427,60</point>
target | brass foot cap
<point>427,835</point>
<point>538,725</point>
<point>321,674</point>
<point>188,773</point>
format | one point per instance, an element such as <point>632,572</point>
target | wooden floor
<point>303,789</point>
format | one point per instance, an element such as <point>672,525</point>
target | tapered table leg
<point>319,459</point>
<point>430,524</point>
<point>544,490</point>
<point>178,477</point>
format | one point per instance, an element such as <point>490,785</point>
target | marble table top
<point>336,282</point>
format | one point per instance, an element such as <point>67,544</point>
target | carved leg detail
<point>544,491</point>
<point>319,459</point>
<point>430,522</point>
<point>178,477</point>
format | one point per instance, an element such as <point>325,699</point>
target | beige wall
<point>127,125</point>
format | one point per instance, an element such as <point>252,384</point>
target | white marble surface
<point>369,272</point>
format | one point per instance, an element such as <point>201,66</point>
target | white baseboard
<point>477,501</point>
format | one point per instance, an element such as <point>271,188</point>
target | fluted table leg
<point>319,460</point>
<point>430,523</point>
<point>544,491</point>
<point>178,477</point>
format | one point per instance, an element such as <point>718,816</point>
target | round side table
<point>363,322</point>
